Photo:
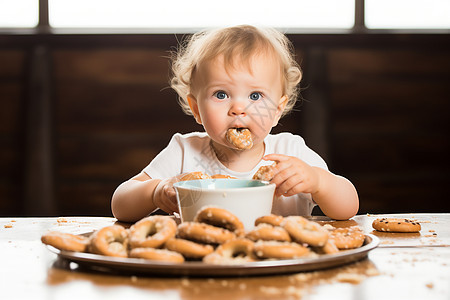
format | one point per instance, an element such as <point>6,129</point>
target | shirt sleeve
<point>168,162</point>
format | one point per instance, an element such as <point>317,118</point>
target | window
<point>412,14</point>
<point>189,16</point>
<point>19,13</point>
<point>194,14</point>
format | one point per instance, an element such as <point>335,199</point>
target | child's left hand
<point>293,176</point>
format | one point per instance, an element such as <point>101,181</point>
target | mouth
<point>238,128</point>
<point>240,137</point>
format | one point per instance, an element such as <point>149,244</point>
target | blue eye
<point>221,95</point>
<point>255,96</point>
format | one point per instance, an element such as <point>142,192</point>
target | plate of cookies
<point>215,243</point>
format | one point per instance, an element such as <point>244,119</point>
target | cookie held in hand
<point>264,173</point>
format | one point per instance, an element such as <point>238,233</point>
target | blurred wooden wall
<point>82,113</point>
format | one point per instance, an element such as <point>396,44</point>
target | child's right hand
<point>165,196</point>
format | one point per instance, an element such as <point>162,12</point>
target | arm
<point>335,195</point>
<point>140,195</point>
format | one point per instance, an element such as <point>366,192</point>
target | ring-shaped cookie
<point>267,232</point>
<point>396,225</point>
<point>347,237</point>
<point>219,217</point>
<point>328,248</point>
<point>222,176</point>
<point>279,250</point>
<point>304,231</point>
<point>241,138</point>
<point>204,233</point>
<point>110,240</point>
<point>65,241</point>
<point>235,251</point>
<point>152,231</point>
<point>188,249</point>
<point>274,220</point>
<point>264,173</point>
<point>157,254</point>
<point>194,176</point>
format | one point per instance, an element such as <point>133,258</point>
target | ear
<point>194,108</point>
<point>280,108</point>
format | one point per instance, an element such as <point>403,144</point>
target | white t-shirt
<point>193,152</point>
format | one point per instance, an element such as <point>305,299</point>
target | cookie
<point>264,173</point>
<point>347,238</point>
<point>396,225</point>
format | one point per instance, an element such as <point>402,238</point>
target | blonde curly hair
<point>240,41</point>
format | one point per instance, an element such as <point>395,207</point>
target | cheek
<point>263,114</point>
<point>211,119</point>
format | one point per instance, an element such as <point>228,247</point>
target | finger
<point>166,202</point>
<point>282,188</point>
<point>284,193</point>
<point>276,157</point>
<point>175,209</point>
<point>296,189</point>
<point>165,207</point>
<point>281,173</point>
<point>292,192</point>
<point>171,196</point>
<point>170,192</point>
<point>169,207</point>
<point>174,203</point>
<point>291,186</point>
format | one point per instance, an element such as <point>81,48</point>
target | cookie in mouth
<point>240,137</point>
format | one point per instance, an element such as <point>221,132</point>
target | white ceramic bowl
<point>247,199</point>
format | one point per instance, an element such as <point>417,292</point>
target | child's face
<point>238,97</point>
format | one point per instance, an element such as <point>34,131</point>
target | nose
<point>237,108</point>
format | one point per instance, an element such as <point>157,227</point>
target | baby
<point>241,79</point>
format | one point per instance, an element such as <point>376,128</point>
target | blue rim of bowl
<point>265,184</point>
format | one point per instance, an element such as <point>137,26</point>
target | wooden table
<point>404,266</point>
